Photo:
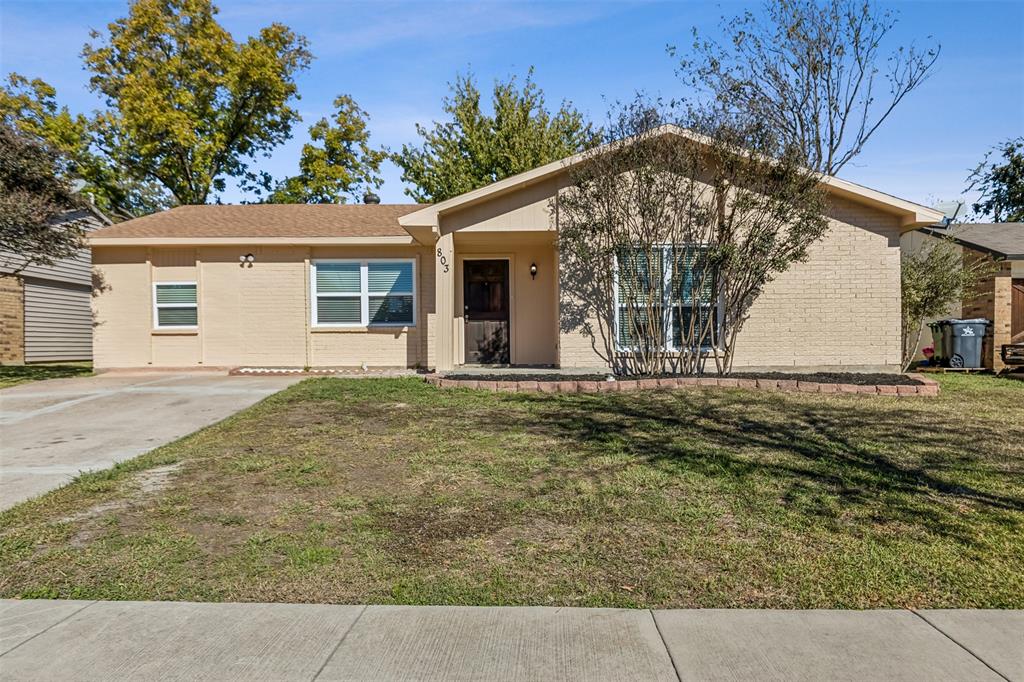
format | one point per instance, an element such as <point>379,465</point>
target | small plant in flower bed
<point>856,378</point>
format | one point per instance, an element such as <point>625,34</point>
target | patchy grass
<point>11,375</point>
<point>390,491</point>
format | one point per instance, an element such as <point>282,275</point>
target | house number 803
<point>442,260</point>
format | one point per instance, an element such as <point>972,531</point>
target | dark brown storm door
<point>485,295</point>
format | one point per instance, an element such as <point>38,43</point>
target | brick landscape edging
<point>927,387</point>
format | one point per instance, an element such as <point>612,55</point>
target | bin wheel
<point>956,361</point>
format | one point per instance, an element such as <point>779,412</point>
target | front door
<point>485,297</point>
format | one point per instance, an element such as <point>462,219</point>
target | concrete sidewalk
<point>65,640</point>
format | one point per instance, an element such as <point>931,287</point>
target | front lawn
<point>12,375</point>
<point>391,491</point>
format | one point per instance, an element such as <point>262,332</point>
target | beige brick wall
<point>12,320</point>
<point>256,315</point>
<point>840,308</point>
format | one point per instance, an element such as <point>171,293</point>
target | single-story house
<point>998,297</point>
<point>46,310</point>
<point>473,279</point>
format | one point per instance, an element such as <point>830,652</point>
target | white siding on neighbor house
<point>58,315</point>
<point>58,321</point>
<point>75,270</point>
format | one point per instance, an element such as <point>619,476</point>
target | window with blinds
<point>175,305</point>
<point>366,293</point>
<point>659,291</point>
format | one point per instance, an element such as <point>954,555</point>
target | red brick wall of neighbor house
<point>991,299</point>
<point>12,320</point>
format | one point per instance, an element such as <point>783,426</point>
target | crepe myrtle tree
<point>668,233</point>
<point>825,74</point>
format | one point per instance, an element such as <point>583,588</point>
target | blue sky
<point>396,59</point>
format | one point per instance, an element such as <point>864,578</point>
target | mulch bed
<point>854,378</point>
<point>527,377</point>
<point>821,382</point>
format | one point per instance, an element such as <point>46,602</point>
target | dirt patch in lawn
<point>144,484</point>
<point>424,529</point>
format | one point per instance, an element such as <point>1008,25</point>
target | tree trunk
<point>911,353</point>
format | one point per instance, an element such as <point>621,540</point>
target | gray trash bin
<point>939,357</point>
<point>962,342</point>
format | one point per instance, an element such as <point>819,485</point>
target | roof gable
<point>427,218</point>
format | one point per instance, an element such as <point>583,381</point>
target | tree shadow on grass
<point>884,461</point>
<point>11,375</point>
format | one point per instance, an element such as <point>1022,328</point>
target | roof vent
<point>371,198</point>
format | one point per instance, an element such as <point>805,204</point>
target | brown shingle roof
<point>266,220</point>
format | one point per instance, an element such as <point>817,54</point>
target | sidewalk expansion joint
<point>959,644</point>
<point>340,642</point>
<point>48,628</point>
<point>668,651</point>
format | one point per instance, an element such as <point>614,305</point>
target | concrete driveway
<point>52,430</point>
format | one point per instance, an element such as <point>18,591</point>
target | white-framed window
<point>175,305</point>
<point>375,292</point>
<point>672,275</point>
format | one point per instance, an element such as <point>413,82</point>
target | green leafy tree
<point>1001,183</point>
<point>33,196</point>
<point>189,106</point>
<point>342,164</point>
<point>473,149</point>
<point>815,70</point>
<point>31,106</point>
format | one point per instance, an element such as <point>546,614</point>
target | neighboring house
<point>913,243</point>
<point>472,279</point>
<point>45,310</point>
<point>999,297</point>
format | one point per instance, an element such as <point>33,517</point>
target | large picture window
<point>658,291</point>
<point>363,293</point>
<point>175,305</point>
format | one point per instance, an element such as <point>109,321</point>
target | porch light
<point>246,259</point>
<point>533,271</point>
